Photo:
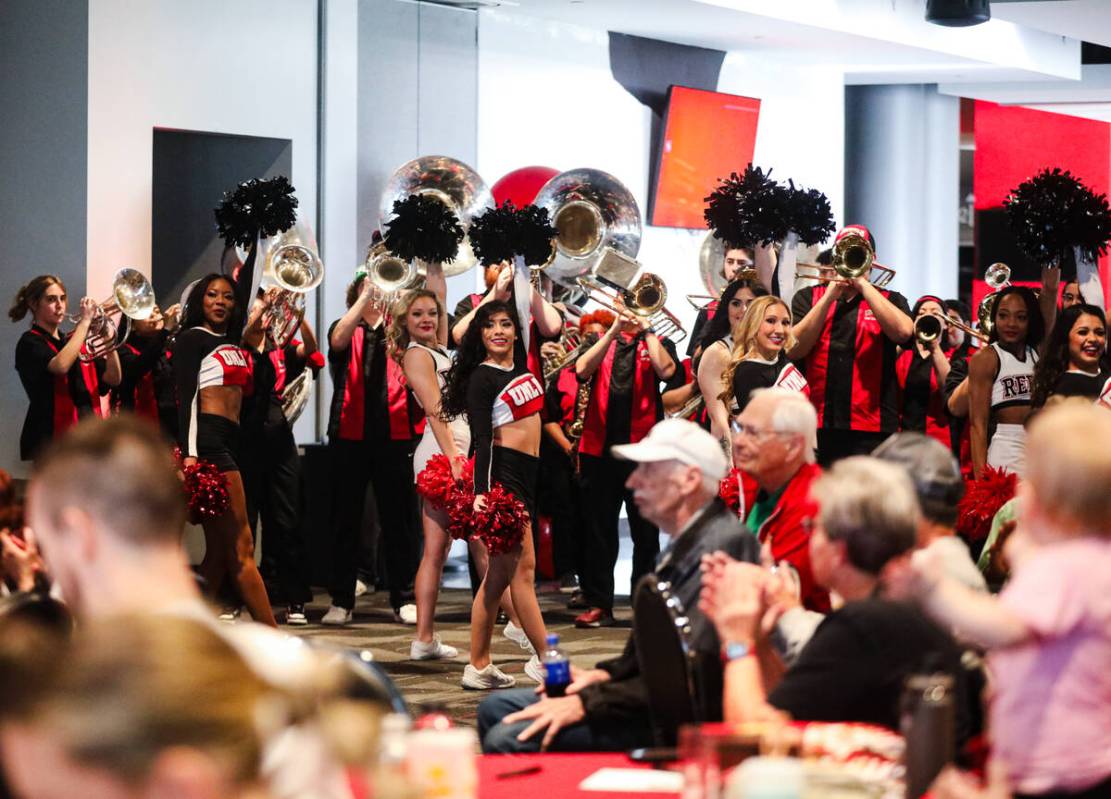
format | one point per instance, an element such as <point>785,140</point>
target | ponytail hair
<point>29,295</point>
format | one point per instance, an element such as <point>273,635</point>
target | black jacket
<point>622,699</point>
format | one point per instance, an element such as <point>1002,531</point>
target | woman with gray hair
<point>854,666</point>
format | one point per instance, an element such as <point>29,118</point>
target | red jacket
<point>790,540</point>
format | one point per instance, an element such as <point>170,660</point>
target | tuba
<point>292,264</point>
<point>133,298</point>
<point>711,257</point>
<point>592,212</point>
<point>451,182</point>
<point>997,277</point>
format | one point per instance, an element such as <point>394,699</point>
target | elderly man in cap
<point>675,486</point>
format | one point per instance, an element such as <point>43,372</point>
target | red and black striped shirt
<point>851,369</point>
<point>625,401</point>
<point>370,399</point>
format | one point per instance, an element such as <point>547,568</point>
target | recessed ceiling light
<point>957,13</point>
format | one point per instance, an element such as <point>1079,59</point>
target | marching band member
<point>1000,381</point>
<point>373,428</point>
<point>271,466</point>
<point>717,344</point>
<point>921,370</point>
<point>212,373</point>
<point>735,261</point>
<point>759,355</point>
<point>59,385</point>
<point>1072,363</point>
<point>502,400</point>
<point>546,322</point>
<point>147,383</point>
<point>848,333</point>
<point>627,365</point>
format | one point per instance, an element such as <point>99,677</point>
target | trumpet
<point>573,346</point>
<point>853,257</point>
<point>928,328</point>
<point>645,299</point>
<point>133,297</point>
<point>997,277</point>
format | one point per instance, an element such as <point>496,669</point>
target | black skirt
<point>218,441</point>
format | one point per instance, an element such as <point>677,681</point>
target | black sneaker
<point>569,584</point>
<point>578,601</point>
<point>295,616</point>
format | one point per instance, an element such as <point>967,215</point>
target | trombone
<point>645,299</point>
<point>133,297</point>
<point>853,257</point>
<point>573,346</point>
<point>928,328</point>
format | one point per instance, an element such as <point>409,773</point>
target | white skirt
<point>428,445</point>
<point>1007,449</point>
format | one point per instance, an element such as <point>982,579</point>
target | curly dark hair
<point>1055,360</point>
<point>194,306</point>
<point>468,356</point>
<point>718,327</point>
<point>1035,330</point>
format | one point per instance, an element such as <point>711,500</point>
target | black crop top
<point>496,397</point>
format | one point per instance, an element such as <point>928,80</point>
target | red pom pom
<point>502,525</point>
<point>435,483</point>
<point>206,491</point>
<point>982,500</point>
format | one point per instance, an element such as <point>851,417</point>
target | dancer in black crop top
<point>212,373</point>
<point>502,401</point>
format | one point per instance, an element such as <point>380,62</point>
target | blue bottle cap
<point>553,639</point>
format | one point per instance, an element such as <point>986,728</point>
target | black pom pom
<point>1053,212</point>
<point>492,234</point>
<point>534,235</point>
<point>256,207</point>
<point>809,214</point>
<point>499,234</point>
<point>423,227</point>
<point>748,209</point>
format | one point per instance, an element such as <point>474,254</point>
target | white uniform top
<point>1014,382</point>
<point>442,361</point>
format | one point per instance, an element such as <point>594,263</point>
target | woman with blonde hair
<point>762,342</point>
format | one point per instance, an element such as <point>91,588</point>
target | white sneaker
<point>534,670</point>
<point>486,679</point>
<point>406,614</point>
<point>230,615</point>
<point>361,588</point>
<point>433,650</point>
<point>337,616</point>
<point>517,636</point>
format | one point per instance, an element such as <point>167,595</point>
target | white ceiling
<point>1028,54</point>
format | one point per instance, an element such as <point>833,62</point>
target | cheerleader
<point>1072,364</point>
<point>502,400</point>
<point>1000,381</point>
<point>212,373</point>
<point>717,344</point>
<point>921,370</point>
<point>761,343</point>
<point>59,385</point>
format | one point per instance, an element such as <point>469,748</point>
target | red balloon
<point>521,185</point>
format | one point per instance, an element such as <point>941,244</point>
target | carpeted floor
<point>437,682</point>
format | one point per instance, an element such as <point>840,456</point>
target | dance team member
<point>627,365</point>
<point>717,344</point>
<point>1073,362</point>
<point>759,358</point>
<point>502,400</point>
<point>921,370</point>
<point>1000,381</point>
<point>59,386</point>
<point>735,262</point>
<point>848,337</point>
<point>373,428</point>
<point>212,372</point>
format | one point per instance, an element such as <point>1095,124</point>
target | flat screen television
<point>706,135</point>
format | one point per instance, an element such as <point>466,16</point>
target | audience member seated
<point>107,508</point>
<point>854,666</point>
<point>937,480</point>
<point>1049,633</point>
<point>774,442</point>
<point>675,486</point>
<point>143,707</point>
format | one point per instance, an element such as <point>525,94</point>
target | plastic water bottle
<point>557,668</point>
<point>928,725</point>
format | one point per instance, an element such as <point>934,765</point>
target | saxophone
<point>574,430</point>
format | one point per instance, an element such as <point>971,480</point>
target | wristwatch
<point>734,650</point>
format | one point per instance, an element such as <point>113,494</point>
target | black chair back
<point>662,634</point>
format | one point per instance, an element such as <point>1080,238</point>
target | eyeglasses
<point>754,432</point>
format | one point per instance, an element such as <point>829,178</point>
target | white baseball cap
<point>679,440</point>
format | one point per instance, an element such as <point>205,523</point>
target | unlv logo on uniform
<point>231,356</point>
<point>523,391</point>
<point>791,378</point>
